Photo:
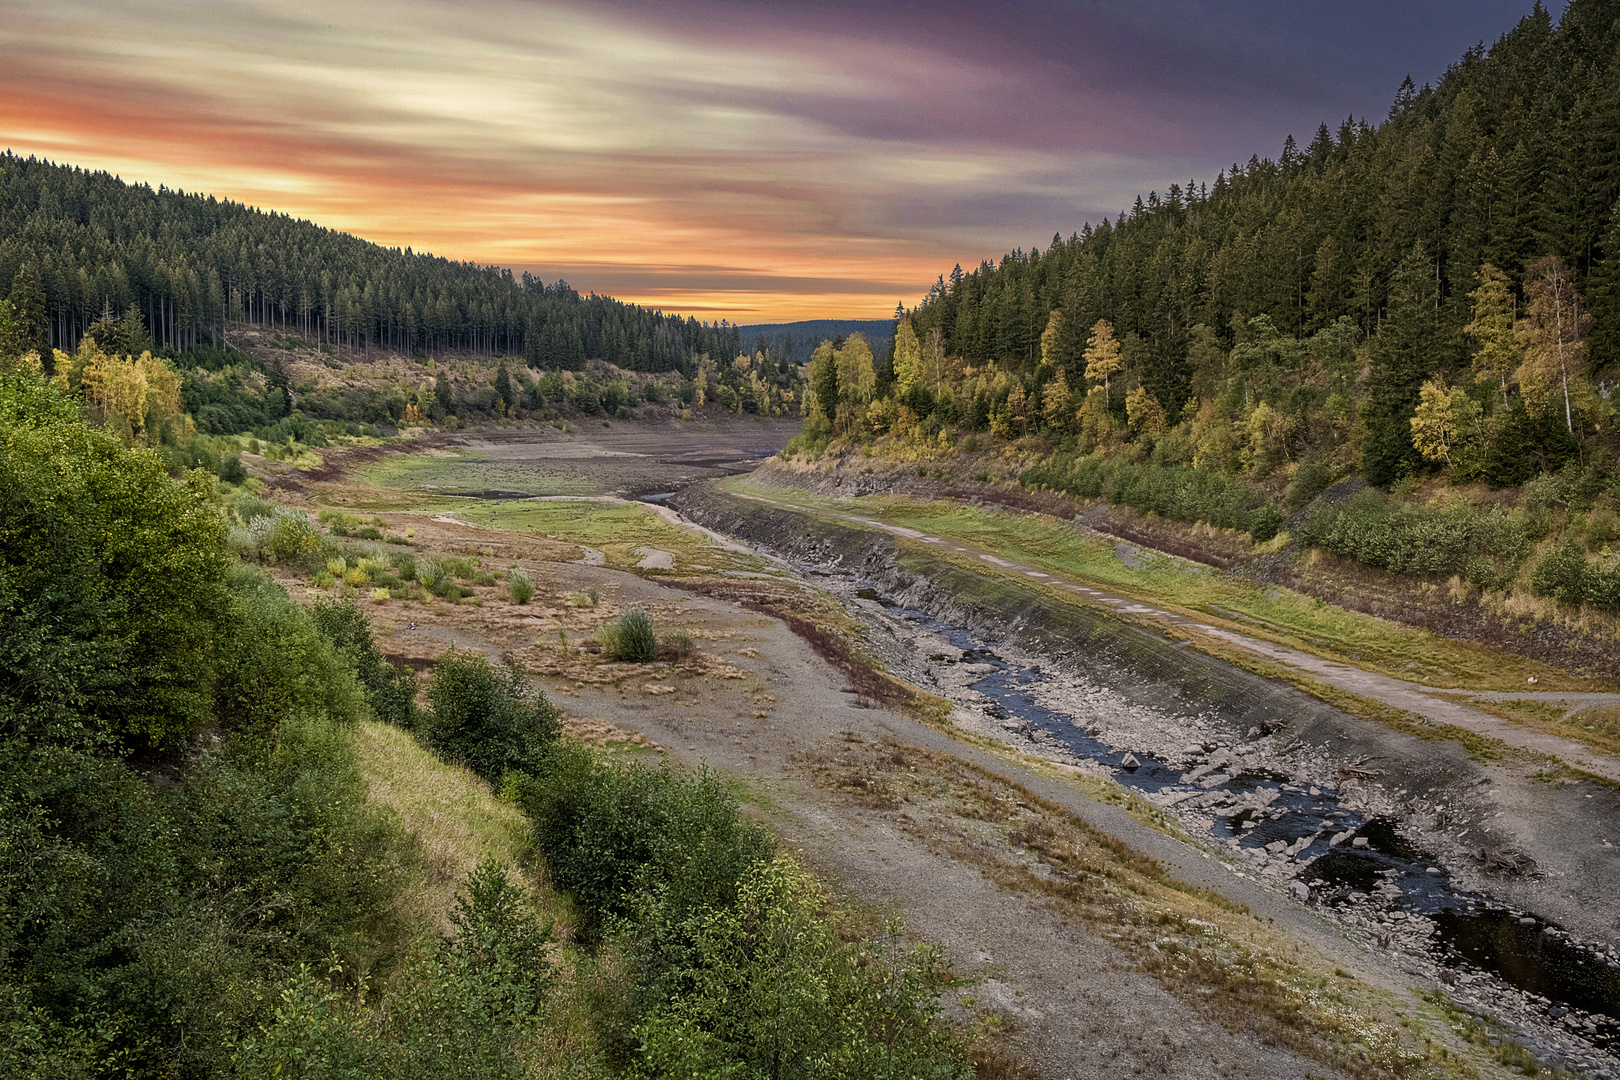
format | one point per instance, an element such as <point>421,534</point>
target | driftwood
<point>1513,862</point>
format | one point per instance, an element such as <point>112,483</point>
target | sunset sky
<point>754,161</point>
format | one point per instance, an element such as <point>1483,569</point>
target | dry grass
<point>454,816</point>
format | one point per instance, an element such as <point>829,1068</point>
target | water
<point>1471,933</point>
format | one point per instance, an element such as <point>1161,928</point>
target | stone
<point>1254,732</point>
<point>1316,791</point>
<point>1276,846</point>
<point>1299,891</point>
<point>1433,870</point>
<point>1339,838</point>
<point>1361,842</point>
<point>1130,762</point>
<point>1527,921</point>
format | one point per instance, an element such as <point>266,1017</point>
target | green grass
<point>1266,612</point>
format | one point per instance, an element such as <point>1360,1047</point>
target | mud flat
<point>1489,878</point>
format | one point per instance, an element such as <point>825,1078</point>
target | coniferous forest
<point>88,245</point>
<point>1459,260</point>
<point>1431,300</point>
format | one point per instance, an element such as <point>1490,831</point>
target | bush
<point>629,637</point>
<point>605,829</point>
<point>1310,480</point>
<point>392,690</point>
<point>231,470</point>
<point>1406,539</point>
<point>522,588</point>
<point>491,721</point>
<point>113,602</point>
<point>1175,493</point>
<point>430,575</point>
<point>1266,523</point>
<point>290,537</point>
<point>1562,574</point>
<point>467,1007</point>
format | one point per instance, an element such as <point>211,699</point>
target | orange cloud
<point>564,141</point>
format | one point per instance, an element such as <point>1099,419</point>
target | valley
<point>1277,829</point>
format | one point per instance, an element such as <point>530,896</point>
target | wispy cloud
<point>740,159</point>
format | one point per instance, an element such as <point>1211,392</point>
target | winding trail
<point>1430,704</point>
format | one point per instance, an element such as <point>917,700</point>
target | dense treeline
<point>88,244</point>
<point>1432,300</point>
<point>1328,286</point>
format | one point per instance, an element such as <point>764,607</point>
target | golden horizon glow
<point>752,162</point>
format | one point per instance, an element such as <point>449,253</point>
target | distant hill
<point>88,243</point>
<point>795,341</point>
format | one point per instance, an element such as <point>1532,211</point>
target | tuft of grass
<point>677,645</point>
<point>522,588</point>
<point>630,637</point>
<point>381,594</point>
<point>584,599</point>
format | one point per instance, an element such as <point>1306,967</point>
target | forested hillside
<point>88,244</point>
<point>1472,237</point>
<point>1432,302</point>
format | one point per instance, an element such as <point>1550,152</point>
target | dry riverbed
<point>1099,929</point>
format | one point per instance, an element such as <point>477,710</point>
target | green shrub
<point>231,470</point>
<point>606,828</point>
<point>1562,574</point>
<point>630,637</point>
<point>1310,480</point>
<point>765,987</point>
<point>113,603</point>
<point>430,575</point>
<point>368,532</point>
<point>491,721</point>
<point>467,1007</point>
<point>1171,492</point>
<point>392,691</point>
<point>522,588</point>
<point>1407,539</point>
<point>405,565</point>
<point>277,664</point>
<point>1265,523</point>
<point>290,537</point>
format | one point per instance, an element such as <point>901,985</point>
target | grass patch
<point>1201,947</point>
<point>464,470</point>
<point>1267,612</point>
<point>1596,726</point>
<point>455,817</point>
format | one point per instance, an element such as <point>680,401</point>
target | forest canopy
<point>77,246</point>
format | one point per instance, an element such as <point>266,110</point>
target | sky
<point>753,161</point>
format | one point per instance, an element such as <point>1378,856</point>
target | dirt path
<point>1402,695</point>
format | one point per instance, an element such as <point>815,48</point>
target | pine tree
<point>1406,351</point>
<point>1496,350</point>
<point>32,324</point>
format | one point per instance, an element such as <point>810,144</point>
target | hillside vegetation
<point>1431,303</point>
<point>195,881</point>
